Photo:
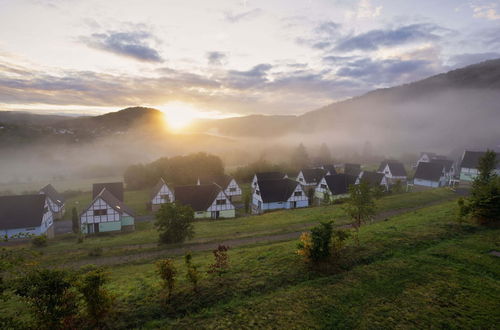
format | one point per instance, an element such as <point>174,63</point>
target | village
<point>27,216</point>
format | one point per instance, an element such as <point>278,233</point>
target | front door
<point>215,214</point>
<point>293,205</point>
<point>93,228</point>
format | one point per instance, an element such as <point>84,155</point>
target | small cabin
<point>470,162</point>
<point>278,194</point>
<point>228,184</point>
<point>311,176</point>
<point>207,201</point>
<point>106,213</point>
<point>352,169</point>
<point>55,200</point>
<point>430,175</point>
<point>24,216</point>
<point>267,176</point>
<point>393,171</point>
<point>335,186</point>
<point>374,179</point>
<point>161,194</point>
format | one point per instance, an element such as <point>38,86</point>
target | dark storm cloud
<point>135,44</point>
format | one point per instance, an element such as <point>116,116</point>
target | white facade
<point>45,227</point>
<point>233,189</point>
<point>164,195</point>
<point>388,174</point>
<point>383,182</point>
<point>297,199</point>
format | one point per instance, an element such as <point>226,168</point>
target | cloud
<point>488,11</point>
<point>375,39</point>
<point>236,17</point>
<point>323,36</point>
<point>247,79</point>
<point>134,44</point>
<point>364,9</point>
<point>216,58</point>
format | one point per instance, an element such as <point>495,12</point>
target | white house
<point>267,176</point>
<point>393,171</point>
<point>55,200</point>
<point>311,176</point>
<point>470,162</point>
<point>335,186</point>
<point>207,201</point>
<point>426,157</point>
<point>106,213</point>
<point>430,175</point>
<point>25,215</point>
<point>278,194</point>
<point>373,179</point>
<point>161,194</point>
<point>228,184</point>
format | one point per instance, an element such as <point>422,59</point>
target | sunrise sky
<point>225,58</point>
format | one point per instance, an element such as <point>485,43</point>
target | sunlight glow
<point>179,114</point>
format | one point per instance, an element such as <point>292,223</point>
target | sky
<point>222,58</point>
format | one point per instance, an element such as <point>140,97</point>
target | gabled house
<point>336,186</point>
<point>449,167</point>
<point>426,157</point>
<point>228,184</point>
<point>329,168</point>
<point>161,194</point>
<point>207,201</point>
<point>393,171</point>
<point>25,215</point>
<point>311,176</point>
<point>267,176</point>
<point>429,175</point>
<point>278,194</point>
<point>352,169</point>
<point>55,200</point>
<point>115,188</point>
<point>106,213</point>
<point>374,179</point>
<point>470,162</point>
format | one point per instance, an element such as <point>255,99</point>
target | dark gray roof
<point>313,175</point>
<point>352,169</point>
<point>269,175</point>
<point>278,190</point>
<point>372,178</point>
<point>339,183</point>
<point>222,181</point>
<point>116,188</point>
<point>445,162</point>
<point>396,168</point>
<point>330,168</point>
<point>22,211</point>
<point>52,193</point>
<point>470,159</point>
<point>199,197</point>
<point>429,171</point>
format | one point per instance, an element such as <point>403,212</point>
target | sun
<point>178,115</point>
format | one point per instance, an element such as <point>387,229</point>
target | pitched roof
<point>52,193</point>
<point>396,168</point>
<point>222,180</point>
<point>352,169</point>
<point>21,211</point>
<point>470,159</point>
<point>330,168</point>
<point>158,187</point>
<point>116,188</point>
<point>313,175</point>
<point>112,201</point>
<point>429,171</point>
<point>278,190</point>
<point>372,178</point>
<point>339,183</point>
<point>269,175</point>
<point>199,197</point>
<point>445,162</point>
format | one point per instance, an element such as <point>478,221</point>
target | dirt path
<point>236,242</point>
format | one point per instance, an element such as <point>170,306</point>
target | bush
<point>98,301</point>
<point>174,223</point>
<point>95,252</point>
<point>221,261</point>
<point>39,241</point>
<point>167,271</point>
<point>192,273</point>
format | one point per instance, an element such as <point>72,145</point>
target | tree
<point>98,301</point>
<point>397,188</point>
<point>483,205</point>
<point>221,261</point>
<point>50,296</point>
<point>167,271</point>
<point>310,196</point>
<point>75,222</point>
<point>325,156</point>
<point>327,200</point>
<point>360,206</point>
<point>174,223</point>
<point>192,273</point>
<point>247,196</point>
<point>300,158</point>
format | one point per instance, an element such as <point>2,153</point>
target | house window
<point>221,202</point>
<point>257,192</point>
<point>45,209</point>
<point>232,189</point>
<point>100,212</point>
<point>166,198</point>
<point>323,186</point>
<point>301,180</point>
<point>297,193</point>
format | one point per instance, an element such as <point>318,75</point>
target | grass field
<point>418,269</point>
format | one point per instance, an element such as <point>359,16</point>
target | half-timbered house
<point>393,171</point>
<point>311,176</point>
<point>278,194</point>
<point>161,194</point>
<point>469,165</point>
<point>267,176</point>
<point>429,174</point>
<point>374,179</point>
<point>228,184</point>
<point>207,201</point>
<point>25,216</point>
<point>106,213</point>
<point>55,200</point>
<point>335,186</point>
<point>115,188</point>
<point>449,168</point>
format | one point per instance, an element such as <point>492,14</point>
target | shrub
<point>167,271</point>
<point>95,252</point>
<point>174,223</point>
<point>192,274</point>
<point>98,301</point>
<point>360,206</point>
<point>221,261</point>
<point>39,241</point>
